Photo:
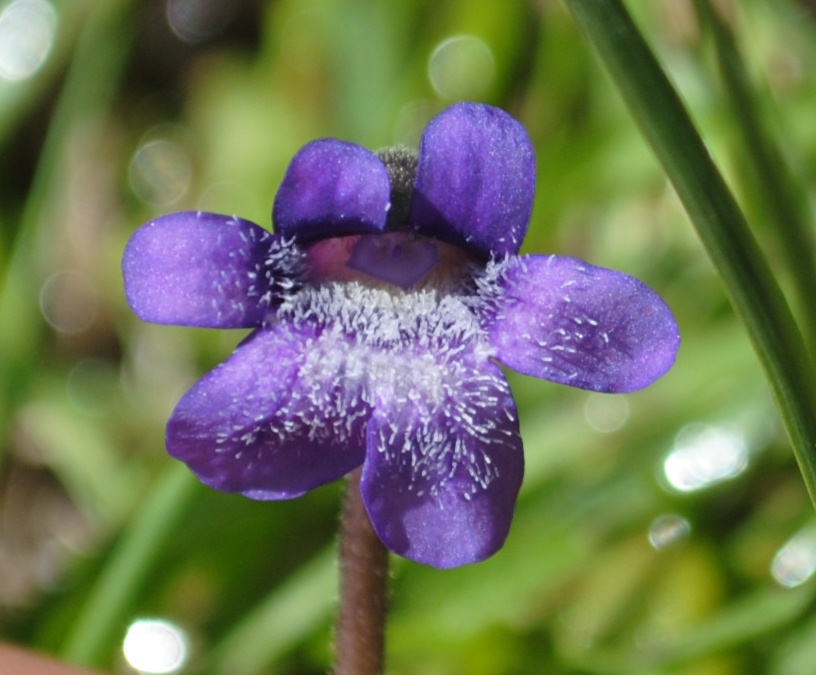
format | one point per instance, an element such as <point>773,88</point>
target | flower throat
<point>399,256</point>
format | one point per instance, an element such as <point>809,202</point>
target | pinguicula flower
<point>382,307</point>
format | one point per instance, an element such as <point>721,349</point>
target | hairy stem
<point>360,640</point>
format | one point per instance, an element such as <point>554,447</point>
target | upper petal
<point>332,188</point>
<point>476,179</point>
<point>565,320</point>
<point>440,480</point>
<point>204,269</point>
<point>272,422</point>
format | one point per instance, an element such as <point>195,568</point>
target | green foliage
<point>609,567</point>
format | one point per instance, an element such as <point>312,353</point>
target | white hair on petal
<point>415,354</point>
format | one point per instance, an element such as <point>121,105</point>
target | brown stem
<point>360,639</point>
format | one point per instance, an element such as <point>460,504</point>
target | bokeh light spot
<point>461,67</point>
<point>196,21</point>
<point>161,171</point>
<point>668,529</point>
<point>606,413</point>
<point>155,646</point>
<point>705,455</point>
<point>795,562</point>
<point>27,30</point>
<point>69,301</point>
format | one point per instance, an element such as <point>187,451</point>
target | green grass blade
<point>90,86</point>
<point>281,620</point>
<point>753,290</point>
<point>104,615</point>
<point>783,205</point>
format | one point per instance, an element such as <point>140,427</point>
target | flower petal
<point>331,189</point>
<point>476,179</point>
<point>440,482</point>
<point>204,269</point>
<point>394,257</point>
<point>565,320</point>
<point>267,423</point>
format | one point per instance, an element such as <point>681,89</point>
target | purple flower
<point>382,307</point>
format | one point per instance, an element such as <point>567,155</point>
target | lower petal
<point>440,485</point>
<point>394,257</point>
<point>565,320</point>
<point>260,425</point>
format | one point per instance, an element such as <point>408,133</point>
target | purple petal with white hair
<point>206,270</point>
<point>476,180</point>
<point>331,189</point>
<point>440,479</point>
<point>565,320</point>
<point>272,422</point>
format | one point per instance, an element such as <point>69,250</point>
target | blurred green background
<point>662,532</point>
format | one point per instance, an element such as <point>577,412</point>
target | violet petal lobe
<point>476,180</point>
<point>332,188</point>
<point>202,269</point>
<point>440,485</point>
<point>394,257</point>
<point>267,423</point>
<point>565,320</point>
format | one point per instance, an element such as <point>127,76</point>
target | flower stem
<point>360,639</point>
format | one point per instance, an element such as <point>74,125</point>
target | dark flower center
<point>401,163</point>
